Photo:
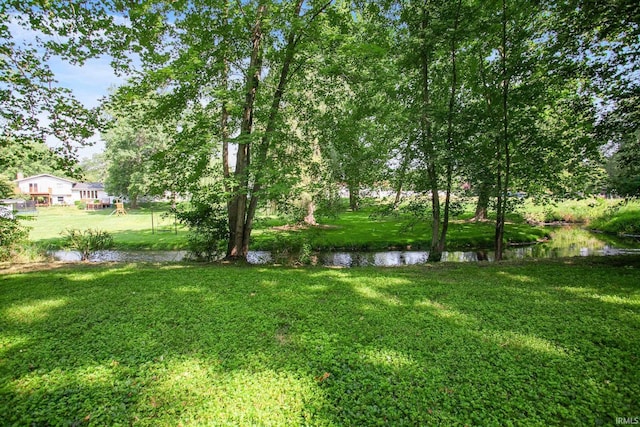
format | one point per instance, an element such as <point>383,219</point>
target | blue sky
<point>89,84</point>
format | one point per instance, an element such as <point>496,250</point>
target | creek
<point>564,242</point>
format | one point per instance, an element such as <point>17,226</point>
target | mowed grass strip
<point>533,343</point>
<point>143,228</point>
<point>350,230</point>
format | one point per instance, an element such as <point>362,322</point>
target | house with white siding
<point>47,190</point>
<point>50,190</point>
<point>92,193</point>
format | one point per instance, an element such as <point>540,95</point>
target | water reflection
<point>565,242</point>
<point>259,257</point>
<point>123,256</point>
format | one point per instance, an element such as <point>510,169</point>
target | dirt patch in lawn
<point>298,227</point>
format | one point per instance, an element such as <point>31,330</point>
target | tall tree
<point>94,168</point>
<point>602,39</point>
<point>212,59</point>
<point>353,100</point>
<point>503,149</point>
<point>131,143</point>
<point>429,36</point>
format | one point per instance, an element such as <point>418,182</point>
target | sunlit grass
<point>139,229</point>
<point>350,230</point>
<point>361,231</point>
<point>622,219</point>
<point>531,343</point>
<point>34,311</point>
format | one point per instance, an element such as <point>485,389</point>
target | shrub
<point>87,242</point>
<point>12,234</point>
<point>329,205</point>
<point>205,241</point>
<point>305,255</point>
<point>206,218</point>
<point>292,213</point>
<point>7,188</point>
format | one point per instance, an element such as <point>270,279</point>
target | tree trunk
<point>310,218</point>
<point>397,199</point>
<point>435,254</point>
<point>450,139</point>
<point>224,131</point>
<point>354,196</point>
<point>402,173</point>
<point>482,205</point>
<point>242,213</point>
<point>263,149</point>
<point>224,113</point>
<point>484,190</point>
<point>239,230</point>
<point>503,146</point>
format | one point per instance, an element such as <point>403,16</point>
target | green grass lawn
<point>350,230</point>
<point>623,219</point>
<point>361,230</point>
<point>131,231</point>
<point>534,343</point>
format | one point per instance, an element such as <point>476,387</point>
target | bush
<point>87,242</point>
<point>206,241</point>
<point>291,212</point>
<point>208,230</point>
<point>7,188</point>
<point>12,234</point>
<point>329,205</point>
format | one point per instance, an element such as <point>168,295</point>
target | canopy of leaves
<point>35,111</point>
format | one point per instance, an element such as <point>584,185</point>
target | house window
<point>60,199</point>
<point>33,187</point>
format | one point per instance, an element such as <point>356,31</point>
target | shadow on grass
<point>530,343</point>
<point>357,231</point>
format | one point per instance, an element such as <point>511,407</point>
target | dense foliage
<point>7,188</point>
<point>205,215</point>
<point>87,241</point>
<point>498,96</point>
<point>35,111</point>
<point>12,235</point>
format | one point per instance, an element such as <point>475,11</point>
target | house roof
<point>42,175</point>
<point>88,186</point>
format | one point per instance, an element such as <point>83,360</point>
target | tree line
<point>240,103</point>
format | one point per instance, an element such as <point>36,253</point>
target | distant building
<point>46,190</point>
<point>49,190</point>
<point>90,191</point>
